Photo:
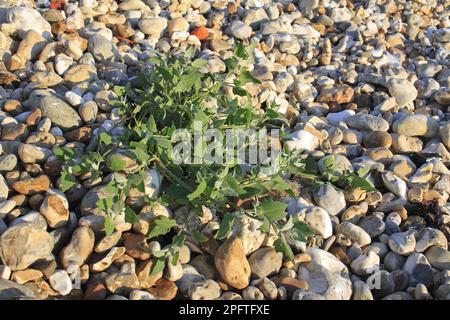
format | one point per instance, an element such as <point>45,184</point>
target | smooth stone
<point>239,30</point>
<point>25,19</point>
<point>10,290</point>
<point>335,117</point>
<point>438,257</point>
<point>60,113</point>
<point>393,261</point>
<point>428,237</point>
<point>356,234</point>
<point>382,284</point>
<point>366,264</point>
<point>326,275</point>
<point>330,199</point>
<point>231,263</point>
<point>152,26</point>
<point>417,125</point>
<point>79,248</point>
<point>101,48</point>
<point>319,221</point>
<point>373,225</point>
<point>394,184</point>
<point>367,122</point>
<point>403,243</point>
<point>419,270</point>
<point>265,262</point>
<point>4,189</point>
<point>361,291</point>
<point>204,290</point>
<point>61,282</point>
<point>403,91</point>
<point>22,245</point>
<point>302,140</point>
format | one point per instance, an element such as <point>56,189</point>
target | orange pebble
<point>201,33</point>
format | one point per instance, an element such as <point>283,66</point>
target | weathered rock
<point>32,185</point>
<point>79,248</point>
<point>22,245</point>
<point>232,265</point>
<point>60,113</point>
<point>326,275</point>
<point>265,262</point>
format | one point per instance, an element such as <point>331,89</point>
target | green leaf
<point>234,185</point>
<point>265,227</point>
<point>239,91</point>
<point>105,204</point>
<point>300,231</point>
<point>310,165</point>
<point>250,51</point>
<point>64,153</point>
<point>130,216</point>
<point>329,163</point>
<point>246,77</point>
<point>160,226</point>
<point>282,246</point>
<point>67,181</point>
<point>175,257</point>
<point>151,124</point>
<point>198,192</point>
<point>105,138</point>
<point>273,210</point>
<point>239,51</point>
<point>199,236</point>
<point>119,90</point>
<point>187,82</point>
<point>177,193</point>
<point>225,227</point>
<point>158,266</point>
<point>109,225</point>
<point>140,155</point>
<point>178,240</point>
<point>116,163</point>
<point>199,63</point>
<point>363,171</point>
<point>361,183</point>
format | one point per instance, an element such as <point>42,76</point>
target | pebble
<point>326,275</point>
<point>403,243</point>
<point>417,125</point>
<point>22,245</point>
<point>438,257</point>
<point>204,290</point>
<point>361,291</point>
<point>356,234</point>
<point>101,48</point>
<point>393,261</point>
<point>239,30</point>
<point>328,198</point>
<point>60,281</point>
<point>55,208</point>
<point>265,262</point>
<point>365,264</point>
<point>79,248</point>
<point>319,221</point>
<point>403,91</point>
<point>152,26</point>
<point>419,270</point>
<point>60,113</point>
<point>232,265</point>
<point>367,122</point>
<point>365,86</point>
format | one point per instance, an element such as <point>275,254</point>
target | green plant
<point>177,92</point>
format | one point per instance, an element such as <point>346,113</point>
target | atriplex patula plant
<point>176,93</point>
